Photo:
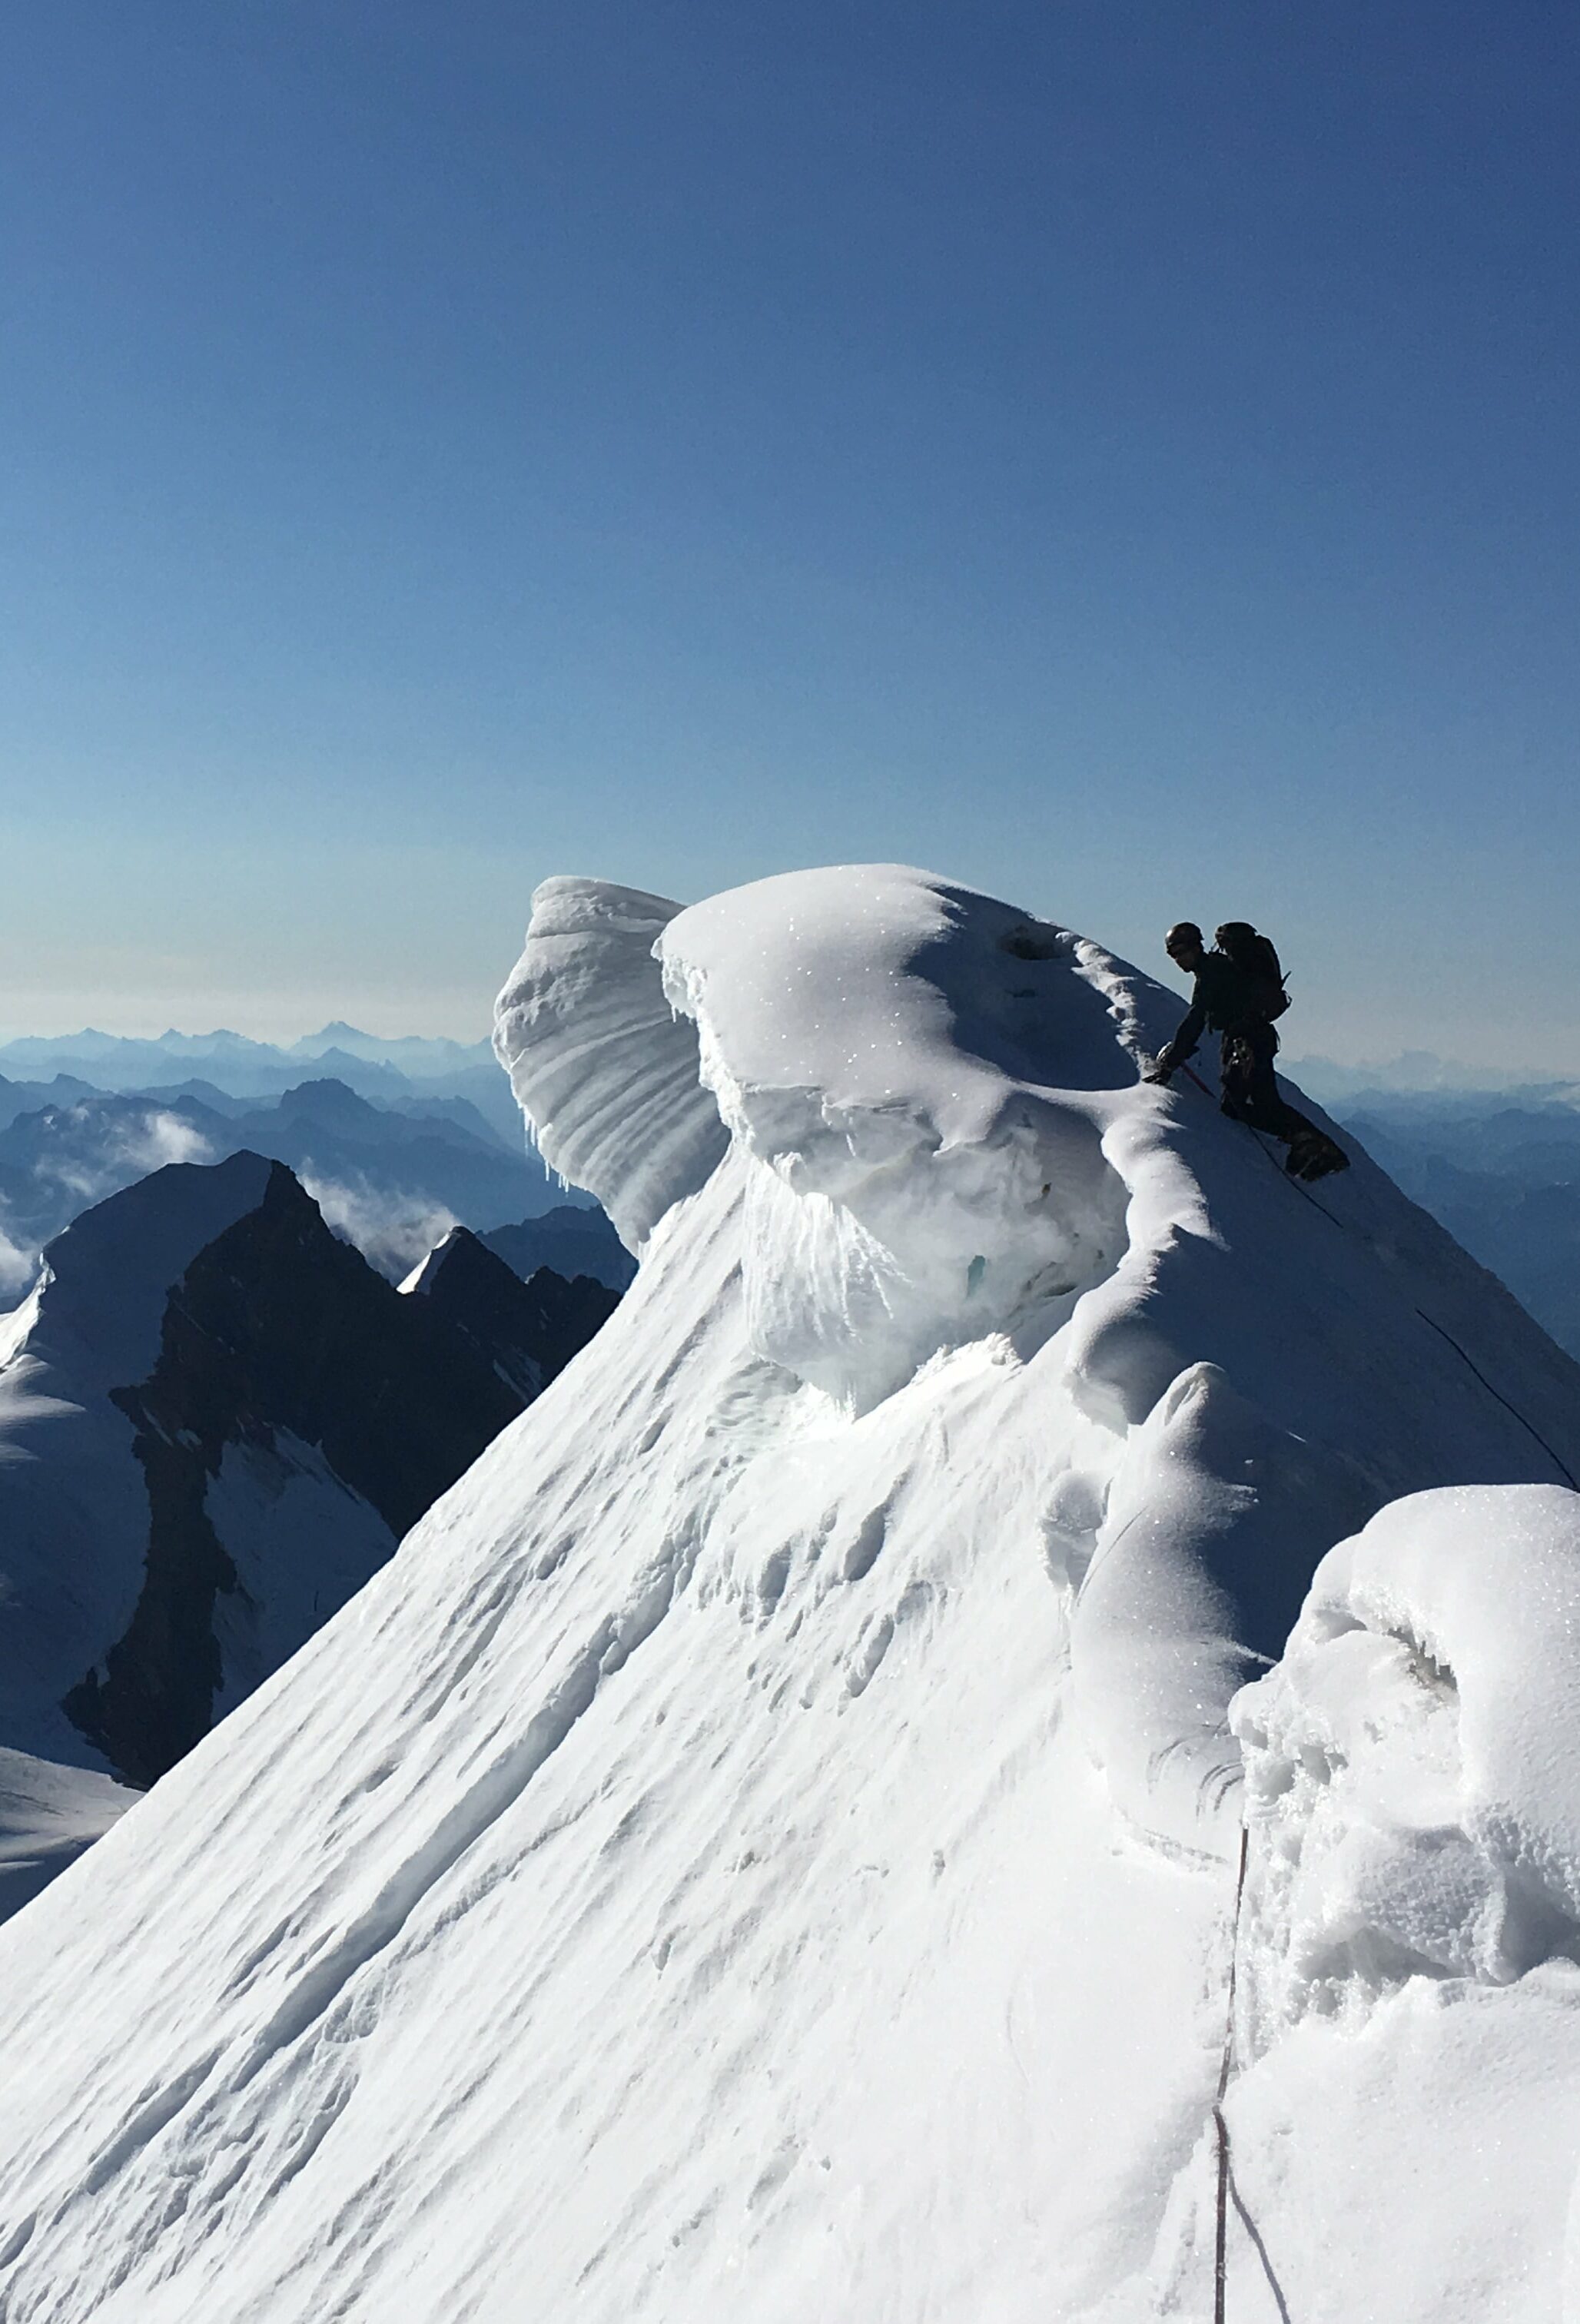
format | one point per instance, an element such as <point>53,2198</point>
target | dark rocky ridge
<point>545,1318</point>
<point>574,1239</point>
<point>279,1336</point>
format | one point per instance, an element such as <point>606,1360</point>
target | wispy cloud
<point>131,1149</point>
<point>168,1138</point>
<point>18,1267</point>
<point>392,1230</point>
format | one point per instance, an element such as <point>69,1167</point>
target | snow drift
<point>765,1845</point>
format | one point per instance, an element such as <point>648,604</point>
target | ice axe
<point>1191,1074</point>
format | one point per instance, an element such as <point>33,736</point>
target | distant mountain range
<point>1418,1074</point>
<point>410,1052</point>
<point>384,1070</point>
<point>1503,1177</point>
<point>390,1173</point>
<point>1021,1695</point>
<point>571,1239</point>
<point>215,1422</point>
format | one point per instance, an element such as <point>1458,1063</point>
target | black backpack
<point>1253,956</point>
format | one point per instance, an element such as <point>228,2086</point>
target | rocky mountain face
<point>575,1239</point>
<point>528,1330</point>
<point>217,1420</point>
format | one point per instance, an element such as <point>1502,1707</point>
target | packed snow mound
<point>1414,1759</point>
<point>1405,2113</point>
<point>917,1076</point>
<point>766,1845</point>
<point>934,1113</point>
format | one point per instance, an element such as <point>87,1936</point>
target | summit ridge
<point>766,1843</point>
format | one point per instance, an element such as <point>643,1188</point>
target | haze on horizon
<point>1120,458</point>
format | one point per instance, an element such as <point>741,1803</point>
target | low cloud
<point>18,1267</point>
<point>392,1230</point>
<point>130,1152</point>
<point>167,1138</point>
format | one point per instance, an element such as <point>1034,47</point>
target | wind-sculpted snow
<point>918,1075</point>
<point>603,1071</point>
<point>1413,1760</point>
<point>1408,2114</point>
<point>765,1846</point>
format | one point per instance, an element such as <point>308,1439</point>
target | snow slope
<point>48,1815</point>
<point>765,1846</point>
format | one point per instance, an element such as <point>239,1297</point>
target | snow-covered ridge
<point>938,1139</point>
<point>765,1846</point>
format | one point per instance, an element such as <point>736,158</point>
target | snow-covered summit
<point>938,1139</point>
<point>765,1846</point>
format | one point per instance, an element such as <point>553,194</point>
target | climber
<point>1238,991</point>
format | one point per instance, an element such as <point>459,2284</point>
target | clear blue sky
<point>1125,457</point>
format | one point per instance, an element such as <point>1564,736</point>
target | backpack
<point>1253,956</point>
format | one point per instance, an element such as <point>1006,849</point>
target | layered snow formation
<point>765,1847</point>
<point>1411,1757</point>
<point>938,1142</point>
<point>603,1071</point>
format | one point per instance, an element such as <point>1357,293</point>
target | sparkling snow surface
<point>764,1848</point>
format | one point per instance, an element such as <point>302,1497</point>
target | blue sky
<point>1122,456</point>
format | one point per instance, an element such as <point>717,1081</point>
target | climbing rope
<point>1442,1330</point>
<point>1220,2121</point>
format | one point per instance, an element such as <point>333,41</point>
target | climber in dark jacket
<point>1233,1001</point>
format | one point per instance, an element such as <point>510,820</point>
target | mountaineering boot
<point>1314,1154</point>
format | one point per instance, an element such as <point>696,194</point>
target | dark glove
<point>1160,1070</point>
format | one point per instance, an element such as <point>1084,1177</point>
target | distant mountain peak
<point>325,1094</point>
<point>108,1273</point>
<point>217,1419</point>
<point>546,1321</point>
